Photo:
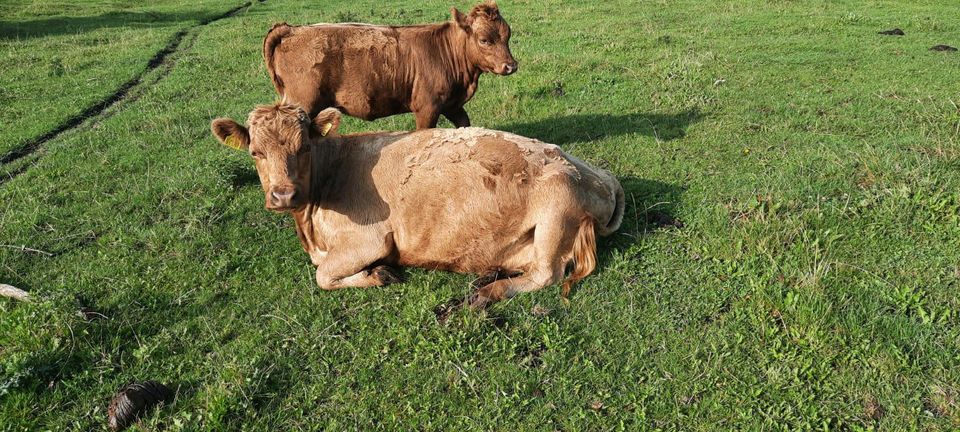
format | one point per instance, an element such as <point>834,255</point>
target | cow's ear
<point>327,122</point>
<point>230,133</point>
<point>461,20</point>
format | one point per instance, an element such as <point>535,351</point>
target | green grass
<point>813,283</point>
<point>58,58</point>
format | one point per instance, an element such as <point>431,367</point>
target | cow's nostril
<point>282,196</point>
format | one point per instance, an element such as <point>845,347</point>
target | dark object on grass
<point>892,32</point>
<point>133,400</point>
<point>558,89</point>
<point>444,310</point>
<point>942,48</point>
<point>90,314</point>
<point>662,220</point>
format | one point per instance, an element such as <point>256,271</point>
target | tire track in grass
<point>128,91</point>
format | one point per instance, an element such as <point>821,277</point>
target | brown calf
<point>370,71</point>
<point>466,200</point>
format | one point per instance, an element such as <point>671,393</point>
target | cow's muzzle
<point>282,198</point>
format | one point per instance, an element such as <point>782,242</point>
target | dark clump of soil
<point>661,219</point>
<point>133,401</point>
<point>444,310</point>
<point>942,48</point>
<point>558,89</point>
<point>532,356</point>
<point>90,314</point>
<point>872,409</point>
<point>892,32</point>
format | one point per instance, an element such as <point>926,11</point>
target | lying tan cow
<point>371,71</point>
<point>466,200</point>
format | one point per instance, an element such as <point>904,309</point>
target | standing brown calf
<point>370,71</point>
<point>467,200</point>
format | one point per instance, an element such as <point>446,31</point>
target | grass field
<point>790,257</point>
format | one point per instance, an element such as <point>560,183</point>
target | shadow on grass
<point>113,332</point>
<point>73,25</point>
<point>160,59</point>
<point>651,207</point>
<point>242,176</point>
<point>588,127</point>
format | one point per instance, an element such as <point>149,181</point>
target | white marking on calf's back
<point>347,24</point>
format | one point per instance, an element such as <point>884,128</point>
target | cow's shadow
<point>588,127</point>
<point>651,207</point>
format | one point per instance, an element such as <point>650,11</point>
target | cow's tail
<point>584,256</point>
<point>619,203</point>
<point>274,36</point>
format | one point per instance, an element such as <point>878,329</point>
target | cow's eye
<point>256,155</point>
<point>485,42</point>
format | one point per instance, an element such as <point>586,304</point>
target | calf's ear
<point>327,122</point>
<point>489,10</point>
<point>230,133</point>
<point>460,19</point>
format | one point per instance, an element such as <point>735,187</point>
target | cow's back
<point>463,199</point>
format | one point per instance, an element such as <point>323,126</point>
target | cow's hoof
<point>386,275</point>
<point>492,276</point>
<point>478,301</point>
<point>485,279</point>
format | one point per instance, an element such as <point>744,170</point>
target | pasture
<point>789,259</point>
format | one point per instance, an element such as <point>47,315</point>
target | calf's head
<point>280,139</point>
<point>488,38</point>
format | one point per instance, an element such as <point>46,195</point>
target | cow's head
<point>488,38</point>
<point>280,138</point>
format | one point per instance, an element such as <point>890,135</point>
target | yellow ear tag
<point>232,142</point>
<point>326,129</point>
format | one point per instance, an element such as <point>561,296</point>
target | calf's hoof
<point>386,275</point>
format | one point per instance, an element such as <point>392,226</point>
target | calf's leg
<point>427,117</point>
<point>458,116</point>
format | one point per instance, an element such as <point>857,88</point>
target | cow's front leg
<point>350,265</point>
<point>377,276</point>
<point>458,116</point>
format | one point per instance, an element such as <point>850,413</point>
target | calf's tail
<point>274,37</point>
<point>584,255</point>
